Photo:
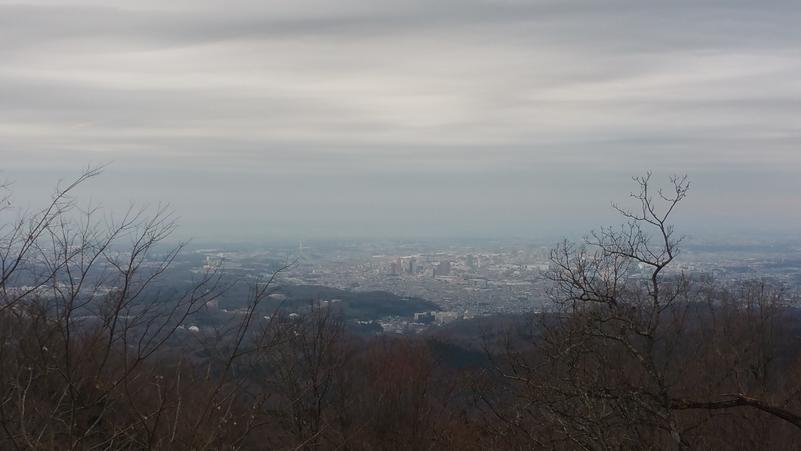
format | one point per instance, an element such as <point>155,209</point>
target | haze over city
<point>389,119</point>
<point>457,225</point>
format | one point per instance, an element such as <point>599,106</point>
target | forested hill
<point>362,305</point>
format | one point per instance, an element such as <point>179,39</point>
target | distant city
<point>466,280</point>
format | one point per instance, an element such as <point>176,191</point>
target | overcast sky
<point>401,118</point>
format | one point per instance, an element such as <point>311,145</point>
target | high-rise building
<point>443,268</point>
<point>472,262</point>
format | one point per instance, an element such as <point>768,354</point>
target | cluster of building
<point>458,280</point>
<point>467,281</point>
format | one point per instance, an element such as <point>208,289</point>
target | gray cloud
<point>385,113</point>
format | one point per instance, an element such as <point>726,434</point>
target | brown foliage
<point>633,355</point>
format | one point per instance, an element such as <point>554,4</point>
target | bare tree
<point>615,364</point>
<point>303,365</point>
<point>81,323</point>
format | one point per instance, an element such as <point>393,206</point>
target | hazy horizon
<point>388,119</point>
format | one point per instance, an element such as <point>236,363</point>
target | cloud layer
<point>409,117</point>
